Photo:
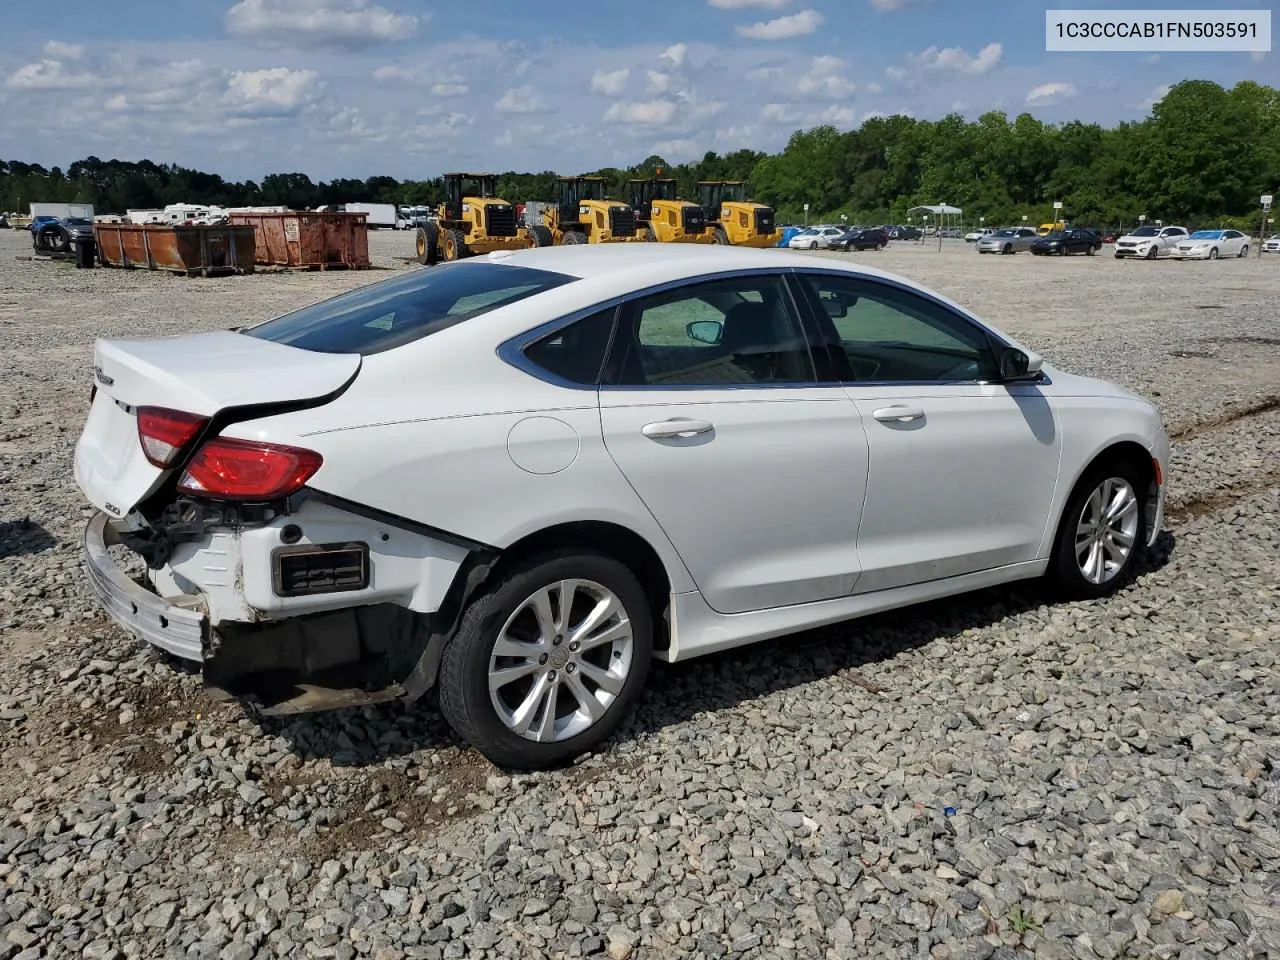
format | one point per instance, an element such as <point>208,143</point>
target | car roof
<point>635,261</point>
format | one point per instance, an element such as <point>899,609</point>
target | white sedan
<point>1271,244</point>
<point>1210,245</point>
<point>815,238</point>
<point>518,479</point>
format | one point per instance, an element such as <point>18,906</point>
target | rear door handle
<point>898,414</point>
<point>676,428</point>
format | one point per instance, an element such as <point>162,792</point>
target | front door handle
<point>898,414</point>
<point>664,429</point>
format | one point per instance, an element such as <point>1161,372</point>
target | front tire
<point>547,663</point>
<point>1244,251</point>
<point>1213,253</point>
<point>721,237</point>
<point>455,246</point>
<point>1102,535</point>
<point>572,237</point>
<point>1152,253</point>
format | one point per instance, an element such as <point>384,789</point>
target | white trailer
<point>62,210</point>
<point>375,214</point>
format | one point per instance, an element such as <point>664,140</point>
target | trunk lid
<point>204,374</point>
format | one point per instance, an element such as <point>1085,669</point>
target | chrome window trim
<point>511,351</point>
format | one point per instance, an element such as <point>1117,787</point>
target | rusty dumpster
<point>207,251</point>
<point>310,241</point>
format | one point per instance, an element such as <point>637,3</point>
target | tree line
<point>1204,153</point>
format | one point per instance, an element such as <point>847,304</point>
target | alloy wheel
<point>1107,530</point>
<point>561,660</point>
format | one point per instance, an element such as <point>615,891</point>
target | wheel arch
<point>481,569</point>
<point>1127,451</point>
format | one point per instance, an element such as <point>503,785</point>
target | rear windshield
<point>397,311</point>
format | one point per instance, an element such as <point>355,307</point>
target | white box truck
<point>62,210</point>
<point>375,214</point>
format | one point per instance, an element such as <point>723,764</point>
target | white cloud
<point>63,51</point>
<point>49,75</point>
<point>741,4</point>
<point>676,54</point>
<point>1151,59</point>
<point>955,60</point>
<point>1156,95</point>
<point>644,112</point>
<point>1048,93</point>
<point>311,23</point>
<point>783,28</point>
<point>441,126</point>
<point>117,103</point>
<point>679,150</point>
<point>825,79</point>
<point>610,83</point>
<point>1257,56</point>
<point>873,88</point>
<point>895,73</point>
<point>450,89</point>
<point>778,113</point>
<point>523,99</point>
<point>275,92</point>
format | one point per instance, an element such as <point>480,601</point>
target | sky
<point>353,88</point>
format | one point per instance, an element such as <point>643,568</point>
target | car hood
<point>1065,384</point>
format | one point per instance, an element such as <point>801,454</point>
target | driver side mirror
<point>705,331</point>
<point>1016,365</point>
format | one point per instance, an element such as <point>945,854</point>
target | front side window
<point>394,312</point>
<point>891,334</point>
<point>734,332</point>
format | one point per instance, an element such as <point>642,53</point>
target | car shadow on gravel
<point>21,538</point>
<point>371,736</point>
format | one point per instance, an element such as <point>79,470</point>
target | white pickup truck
<point>1149,243</point>
<point>979,235</point>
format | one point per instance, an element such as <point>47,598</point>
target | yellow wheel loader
<point>733,219</point>
<point>581,213</point>
<point>663,218</point>
<point>471,220</point>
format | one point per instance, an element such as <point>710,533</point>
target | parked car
<point>815,238</point>
<point>979,235</point>
<point>1271,244</point>
<point>381,494</point>
<point>861,238</point>
<point>1109,236</point>
<point>1149,243</point>
<point>4,222</point>
<point>1064,242</point>
<point>1008,240</point>
<point>900,232</point>
<point>37,223</point>
<point>57,236</point>
<point>1210,245</point>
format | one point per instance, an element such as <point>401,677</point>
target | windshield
<point>398,311</point>
<point>77,222</point>
<point>1207,235</point>
<point>1006,233</point>
<point>1146,232</point>
<point>1054,235</point>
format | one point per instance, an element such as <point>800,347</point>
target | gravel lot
<point>984,777</point>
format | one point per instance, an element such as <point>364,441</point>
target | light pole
<point>806,215</point>
<point>942,208</point>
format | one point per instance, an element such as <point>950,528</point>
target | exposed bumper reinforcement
<point>172,628</point>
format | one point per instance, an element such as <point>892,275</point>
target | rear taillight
<point>164,433</point>
<point>231,469</point>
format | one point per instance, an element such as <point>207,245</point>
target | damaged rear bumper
<point>181,630</point>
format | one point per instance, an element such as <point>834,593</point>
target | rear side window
<point>398,311</point>
<point>575,352</point>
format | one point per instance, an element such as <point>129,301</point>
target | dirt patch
<point>1214,500</point>
<point>1225,418</point>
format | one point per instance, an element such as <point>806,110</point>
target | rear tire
<point>1244,251</point>
<point>572,237</point>
<point>721,237</point>
<point>489,697</point>
<point>542,236</point>
<point>1087,562</point>
<point>879,246</point>
<point>649,235</point>
<point>1008,249</point>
